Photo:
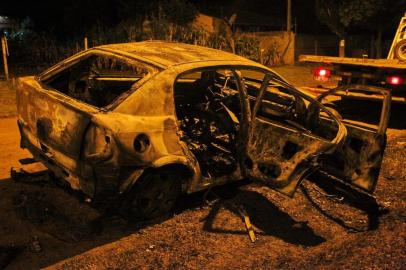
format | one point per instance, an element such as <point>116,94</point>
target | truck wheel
<point>154,195</point>
<point>400,50</point>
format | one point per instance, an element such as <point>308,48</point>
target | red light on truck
<point>321,74</point>
<point>394,80</point>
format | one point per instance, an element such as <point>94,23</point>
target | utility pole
<point>289,16</point>
<point>4,50</point>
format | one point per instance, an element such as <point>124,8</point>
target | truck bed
<point>378,63</point>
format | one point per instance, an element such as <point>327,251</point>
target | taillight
<point>394,80</point>
<point>321,74</point>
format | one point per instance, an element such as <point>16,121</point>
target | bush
<point>42,49</point>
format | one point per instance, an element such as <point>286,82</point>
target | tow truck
<point>387,73</point>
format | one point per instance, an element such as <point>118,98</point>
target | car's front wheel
<point>154,195</point>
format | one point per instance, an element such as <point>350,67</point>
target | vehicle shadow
<point>335,194</point>
<point>45,223</point>
<point>63,224</point>
<point>267,218</point>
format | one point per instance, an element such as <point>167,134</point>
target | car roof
<point>165,54</point>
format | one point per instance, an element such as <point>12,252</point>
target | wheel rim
<point>400,50</point>
<point>155,197</point>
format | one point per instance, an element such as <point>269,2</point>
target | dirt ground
<point>45,225</point>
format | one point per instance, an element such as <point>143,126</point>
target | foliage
<point>247,47</point>
<point>353,13</point>
<point>179,12</point>
<point>272,56</point>
<point>44,49</point>
<point>52,33</point>
<point>342,15</point>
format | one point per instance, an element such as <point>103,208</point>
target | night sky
<point>69,16</point>
<point>71,13</point>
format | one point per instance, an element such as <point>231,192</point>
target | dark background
<point>46,31</point>
<point>69,17</point>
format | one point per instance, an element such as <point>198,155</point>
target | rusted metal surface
<point>367,72</point>
<point>377,63</point>
<point>104,151</point>
<point>359,159</point>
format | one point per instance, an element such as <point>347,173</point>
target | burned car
<point>145,122</point>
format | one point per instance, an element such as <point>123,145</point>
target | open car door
<point>280,148</point>
<point>358,161</point>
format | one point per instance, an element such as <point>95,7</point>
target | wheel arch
<point>185,171</point>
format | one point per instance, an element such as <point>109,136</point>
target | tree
<point>179,12</point>
<point>229,31</point>
<point>340,15</point>
<point>370,16</point>
<point>384,22</point>
<point>328,13</point>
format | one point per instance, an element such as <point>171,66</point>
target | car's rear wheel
<point>154,195</point>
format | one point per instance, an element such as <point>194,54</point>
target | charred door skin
<point>358,161</point>
<point>280,156</point>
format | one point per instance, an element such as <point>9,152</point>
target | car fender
<point>180,162</point>
<point>163,162</point>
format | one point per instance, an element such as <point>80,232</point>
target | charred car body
<point>145,122</point>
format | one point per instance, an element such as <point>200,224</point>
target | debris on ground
<point>35,246</point>
<point>238,208</point>
<point>21,175</point>
<point>8,254</point>
<point>248,225</point>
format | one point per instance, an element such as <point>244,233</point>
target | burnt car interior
<point>208,109</point>
<point>277,104</point>
<point>97,80</point>
<point>284,136</point>
<point>285,107</point>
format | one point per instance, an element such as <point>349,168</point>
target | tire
<point>400,50</point>
<point>154,195</point>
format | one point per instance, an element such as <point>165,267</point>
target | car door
<point>358,161</point>
<point>279,149</point>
